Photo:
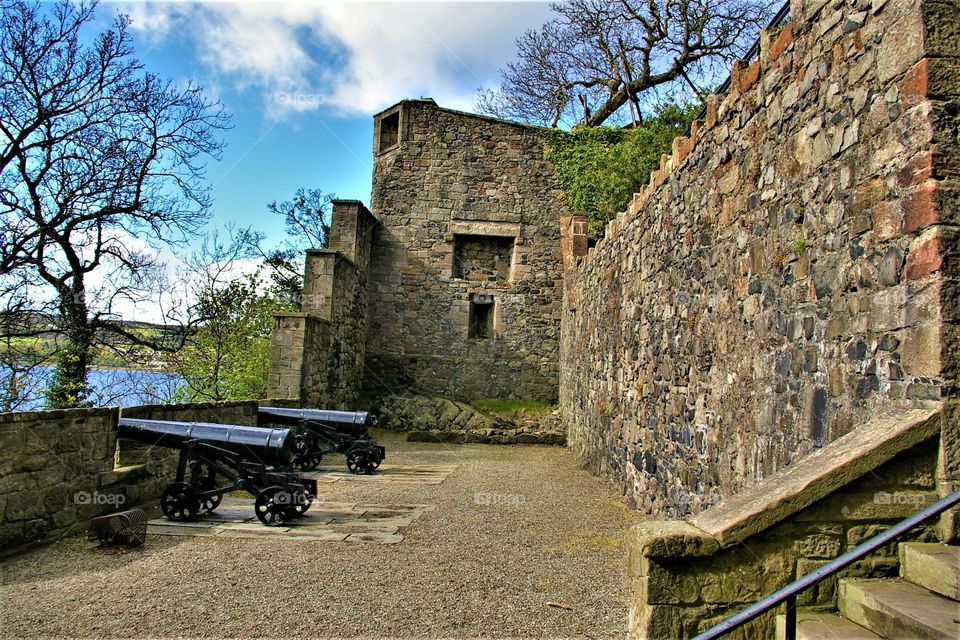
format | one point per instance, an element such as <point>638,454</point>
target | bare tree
<point>596,56</point>
<point>101,163</point>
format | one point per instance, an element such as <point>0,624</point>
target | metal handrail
<point>788,594</point>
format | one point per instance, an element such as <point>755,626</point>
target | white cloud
<point>354,57</point>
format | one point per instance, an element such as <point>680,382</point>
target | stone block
<point>671,538</point>
<point>926,256</point>
<point>942,22</point>
<point>901,48</point>
<point>920,351</point>
<point>781,42</point>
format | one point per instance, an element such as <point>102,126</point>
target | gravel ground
<point>464,570</point>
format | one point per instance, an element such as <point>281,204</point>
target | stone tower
<point>463,279</point>
<point>466,278</point>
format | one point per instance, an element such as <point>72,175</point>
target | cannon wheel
<point>270,510</point>
<point>303,504</point>
<point>308,461</point>
<point>307,457</point>
<point>360,461</point>
<point>179,502</point>
<point>209,503</point>
<point>376,457</point>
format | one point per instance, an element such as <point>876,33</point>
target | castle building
<point>449,285</point>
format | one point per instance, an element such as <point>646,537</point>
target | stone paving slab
<point>324,522</point>
<point>329,472</point>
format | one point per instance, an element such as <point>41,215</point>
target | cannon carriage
<point>216,459</point>
<point>324,432</point>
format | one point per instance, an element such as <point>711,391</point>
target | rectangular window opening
<point>389,130</point>
<point>481,317</point>
<point>486,259</point>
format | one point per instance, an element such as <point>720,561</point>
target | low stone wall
<point>687,576</point>
<point>438,419</point>
<point>58,469</point>
<point>50,467</point>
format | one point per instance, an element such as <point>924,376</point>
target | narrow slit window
<point>481,317</point>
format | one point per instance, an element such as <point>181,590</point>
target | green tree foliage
<point>228,356</point>
<point>600,168</point>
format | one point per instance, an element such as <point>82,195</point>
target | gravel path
<point>464,570</point>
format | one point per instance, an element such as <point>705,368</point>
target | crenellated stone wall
<point>788,273</point>
<point>468,210</point>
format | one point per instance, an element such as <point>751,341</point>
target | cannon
<point>324,432</point>
<point>218,458</point>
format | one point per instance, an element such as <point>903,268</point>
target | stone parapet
<point>689,575</point>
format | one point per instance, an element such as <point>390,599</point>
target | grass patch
<point>512,408</point>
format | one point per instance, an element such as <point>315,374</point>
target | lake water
<point>111,387</point>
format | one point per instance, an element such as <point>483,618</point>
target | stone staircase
<point>924,603</point>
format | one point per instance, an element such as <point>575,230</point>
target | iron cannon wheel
<point>179,502</point>
<point>272,506</point>
<point>209,503</point>
<point>306,499</point>
<point>307,461</point>
<point>361,462</point>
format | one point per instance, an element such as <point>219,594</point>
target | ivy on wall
<point>600,168</point>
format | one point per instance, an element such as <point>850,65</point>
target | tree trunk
<point>69,386</point>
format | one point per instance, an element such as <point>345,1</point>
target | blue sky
<point>302,80</point>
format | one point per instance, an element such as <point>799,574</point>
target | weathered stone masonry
<point>450,288</point>
<point>465,277</point>
<point>317,355</point>
<point>789,272</point>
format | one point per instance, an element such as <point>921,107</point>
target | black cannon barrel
<point>354,422</point>
<point>254,444</point>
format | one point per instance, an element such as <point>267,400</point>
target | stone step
<point>813,625</point>
<point>898,610</point>
<point>933,566</point>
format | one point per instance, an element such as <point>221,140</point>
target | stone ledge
<point>124,474</point>
<point>332,252</point>
<point>301,314</point>
<point>671,539</point>
<point>763,505</point>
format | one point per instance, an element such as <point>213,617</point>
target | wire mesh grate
<point>127,528</point>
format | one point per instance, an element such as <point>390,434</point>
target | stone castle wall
<point>58,469</point>
<point>788,272</point>
<point>468,213</point>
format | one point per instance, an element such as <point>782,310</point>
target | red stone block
<point>917,170</point>
<point>919,207</point>
<point>783,40</point>
<point>748,77</point>
<point>924,259</point>
<point>915,83</point>
<point>682,146</point>
<point>712,111</point>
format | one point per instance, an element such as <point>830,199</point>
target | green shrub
<point>600,168</point>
